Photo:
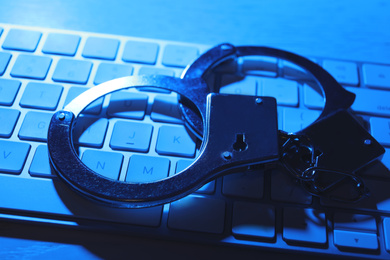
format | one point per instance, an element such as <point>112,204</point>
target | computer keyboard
<point>138,135</point>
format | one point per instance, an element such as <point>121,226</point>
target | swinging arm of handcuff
<point>227,144</point>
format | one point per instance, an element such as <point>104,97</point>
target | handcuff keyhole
<point>240,144</point>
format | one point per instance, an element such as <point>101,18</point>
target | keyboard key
<point>380,129</point>
<point>253,220</point>
<point>90,131</point>
<point>312,96</point>
<point>31,66</point>
<point>245,185</point>
<point>166,109</point>
<point>13,156</point>
<point>101,48</point>
<point>197,214</point>
<point>155,71</point>
<point>208,188</point>
<point>355,239</point>
<point>127,105</point>
<point>245,86</point>
<point>370,101</point>
<point>8,119</point>
<point>72,71</point>
<point>22,40</point>
<point>41,96</point>
<point>131,136</point>
<point>292,190</point>
<point>94,108</point>
<point>344,72</point>
<point>147,169</point>
<point>62,44</point>
<point>40,165</point>
<point>175,140</point>
<point>108,164</point>
<point>354,222</point>
<point>285,91</point>
<point>108,71</point>
<point>306,226</point>
<point>140,52</point>
<point>8,90</point>
<point>35,126</point>
<point>259,66</point>
<point>376,76</point>
<point>386,232</point>
<point>297,119</point>
<point>4,60</point>
<point>179,56</point>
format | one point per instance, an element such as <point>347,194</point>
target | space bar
<point>42,196</point>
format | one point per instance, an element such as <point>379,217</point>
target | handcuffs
<point>237,131</point>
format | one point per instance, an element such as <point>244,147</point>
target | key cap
<point>108,71</point>
<point>62,44</point>
<point>100,48</point>
<point>131,136</point>
<point>208,188</point>
<point>41,96</point>
<point>8,119</point>
<point>259,66</point>
<point>355,239</point>
<point>108,164</point>
<point>72,71</point>
<point>354,222</point>
<point>22,40</point>
<point>179,56</point>
<point>155,71</point>
<point>312,98</point>
<point>147,168</point>
<point>94,108</point>
<point>166,109</point>
<point>40,165</point>
<point>285,91</point>
<point>307,226</point>
<point>140,52</point>
<point>175,140</point>
<point>386,232</point>
<point>371,102</point>
<point>344,72</point>
<point>127,105</point>
<point>292,190</point>
<point>246,86</point>
<point>253,220</point>
<point>197,214</point>
<point>380,129</point>
<point>31,66</point>
<point>35,126</point>
<point>297,119</point>
<point>67,203</point>
<point>13,156</point>
<point>8,90</point>
<point>90,131</point>
<point>4,60</point>
<point>376,76</point>
<point>245,185</point>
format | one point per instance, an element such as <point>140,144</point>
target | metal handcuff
<point>237,131</point>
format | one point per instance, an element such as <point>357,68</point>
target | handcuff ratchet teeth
<point>249,136</point>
